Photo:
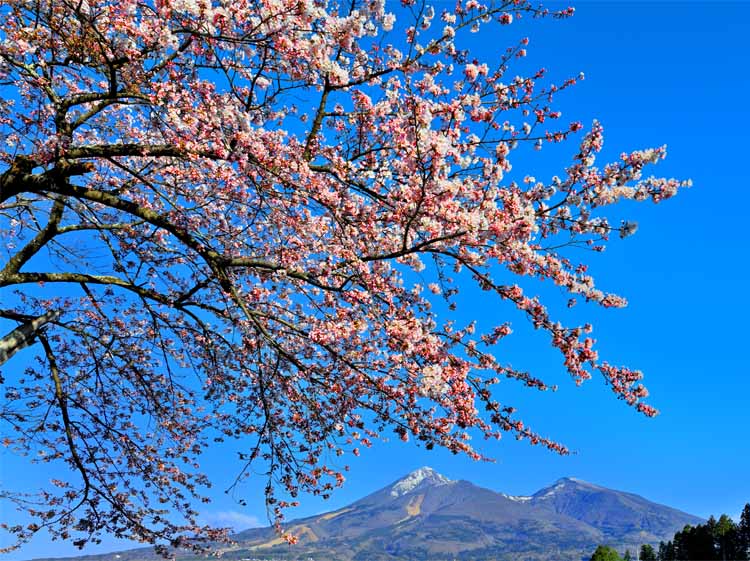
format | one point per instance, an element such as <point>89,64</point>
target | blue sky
<point>657,73</point>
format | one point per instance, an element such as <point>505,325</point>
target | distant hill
<point>428,517</point>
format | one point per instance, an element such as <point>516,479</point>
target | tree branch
<point>24,335</point>
<point>31,248</point>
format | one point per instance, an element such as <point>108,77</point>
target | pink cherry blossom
<point>252,221</point>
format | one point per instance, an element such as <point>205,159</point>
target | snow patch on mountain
<point>517,498</point>
<point>550,491</point>
<point>416,478</point>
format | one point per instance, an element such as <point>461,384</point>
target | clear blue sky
<point>672,73</point>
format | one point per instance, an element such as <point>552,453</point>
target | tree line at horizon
<point>716,540</point>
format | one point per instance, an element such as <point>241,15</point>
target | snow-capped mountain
<point>417,478</point>
<point>425,516</point>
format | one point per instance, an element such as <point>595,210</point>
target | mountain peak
<point>571,480</point>
<point>577,482</point>
<point>422,476</point>
<point>570,483</point>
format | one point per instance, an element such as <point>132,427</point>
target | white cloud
<point>231,518</point>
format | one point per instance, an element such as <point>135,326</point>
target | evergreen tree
<point>726,539</point>
<point>702,542</point>
<point>703,532</point>
<point>627,556</point>
<point>696,543</point>
<point>684,543</point>
<point>744,531</point>
<point>666,551</point>
<point>716,540</point>
<point>605,553</point>
<point>647,553</point>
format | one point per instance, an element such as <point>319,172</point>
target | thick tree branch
<point>19,179</point>
<point>78,278</point>
<point>30,249</point>
<point>24,335</point>
<point>317,121</point>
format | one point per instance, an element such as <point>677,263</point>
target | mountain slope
<point>619,515</point>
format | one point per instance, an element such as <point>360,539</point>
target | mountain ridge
<point>425,516</point>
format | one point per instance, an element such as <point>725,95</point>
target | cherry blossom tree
<point>217,216</point>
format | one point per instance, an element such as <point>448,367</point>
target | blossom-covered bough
<point>211,214</point>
